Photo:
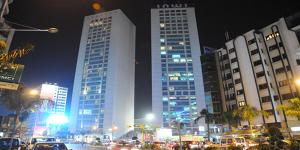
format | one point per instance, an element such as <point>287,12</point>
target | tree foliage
<point>20,102</point>
<point>248,113</point>
<point>291,108</point>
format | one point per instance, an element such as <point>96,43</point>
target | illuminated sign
<point>9,86</point>
<point>11,72</point>
<point>295,129</point>
<point>48,92</point>
<point>163,133</point>
<point>40,131</point>
<point>271,36</point>
<point>172,6</point>
<point>201,128</point>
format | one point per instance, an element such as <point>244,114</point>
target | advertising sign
<point>163,133</point>
<point>10,75</point>
<point>40,131</point>
<point>48,92</point>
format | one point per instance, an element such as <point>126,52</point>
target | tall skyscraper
<point>259,69</point>
<point>177,85</point>
<point>103,92</point>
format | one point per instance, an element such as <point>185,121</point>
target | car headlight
<point>124,149</point>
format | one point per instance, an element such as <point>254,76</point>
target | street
<point>85,147</point>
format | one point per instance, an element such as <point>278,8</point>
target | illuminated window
<point>181,43</point>
<point>271,36</point>
<point>170,48</point>
<point>87,112</point>
<point>162,25</point>
<point>165,99</point>
<point>175,60</point>
<point>173,103</point>
<point>242,103</point>
<point>171,88</point>
<point>162,48</point>
<point>182,60</point>
<point>162,40</point>
<point>163,52</point>
<point>176,56</point>
<point>172,97</point>
<point>186,108</point>
<point>174,78</point>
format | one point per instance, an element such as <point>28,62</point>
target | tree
<point>20,102</point>
<point>291,108</point>
<point>275,136</point>
<point>209,117</point>
<point>248,113</point>
<point>227,117</point>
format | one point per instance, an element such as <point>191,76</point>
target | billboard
<point>10,75</point>
<point>48,92</point>
<point>162,134</point>
<point>39,131</point>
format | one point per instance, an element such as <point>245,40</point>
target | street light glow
<point>57,119</point>
<point>115,128</point>
<point>33,92</point>
<point>297,82</point>
<point>52,30</point>
<point>149,117</point>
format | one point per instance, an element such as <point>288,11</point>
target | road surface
<point>85,147</point>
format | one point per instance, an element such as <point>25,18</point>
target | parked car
<point>35,140</point>
<point>16,144</point>
<point>234,141</point>
<point>50,146</point>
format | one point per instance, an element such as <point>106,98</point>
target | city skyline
<point>54,48</point>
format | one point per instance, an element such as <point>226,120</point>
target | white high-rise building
<point>103,92</point>
<point>259,69</point>
<point>55,94</point>
<point>54,99</point>
<point>177,84</point>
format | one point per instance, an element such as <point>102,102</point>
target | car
<point>16,144</point>
<point>35,140</point>
<point>50,146</point>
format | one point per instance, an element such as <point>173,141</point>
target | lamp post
<point>49,30</point>
<point>113,129</point>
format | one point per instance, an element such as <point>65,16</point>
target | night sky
<point>55,55</point>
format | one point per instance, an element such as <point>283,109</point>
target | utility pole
<point>4,5</point>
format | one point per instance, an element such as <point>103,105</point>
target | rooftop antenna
<point>227,36</point>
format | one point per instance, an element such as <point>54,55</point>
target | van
<point>234,141</point>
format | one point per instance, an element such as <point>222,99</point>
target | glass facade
<point>93,84</point>
<point>178,87</point>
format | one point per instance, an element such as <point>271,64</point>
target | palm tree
<point>20,102</point>
<point>209,117</point>
<point>248,113</point>
<point>228,118</point>
<point>291,108</point>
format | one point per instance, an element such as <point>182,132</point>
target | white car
<point>50,146</point>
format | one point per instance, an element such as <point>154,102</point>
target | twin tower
<point>103,92</point>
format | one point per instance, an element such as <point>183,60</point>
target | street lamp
<point>149,117</point>
<point>50,30</point>
<point>113,129</point>
<point>33,92</point>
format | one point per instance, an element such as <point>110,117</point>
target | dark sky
<point>54,58</point>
